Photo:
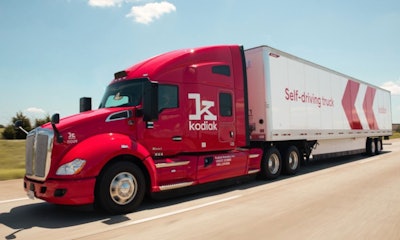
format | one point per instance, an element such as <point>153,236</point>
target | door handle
<point>177,138</point>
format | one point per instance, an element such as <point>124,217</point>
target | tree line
<point>10,132</point>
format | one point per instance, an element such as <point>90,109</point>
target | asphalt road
<point>355,197</point>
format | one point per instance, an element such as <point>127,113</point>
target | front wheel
<point>271,164</point>
<point>120,188</point>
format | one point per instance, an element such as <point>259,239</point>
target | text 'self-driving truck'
<point>200,115</point>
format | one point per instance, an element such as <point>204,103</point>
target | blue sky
<point>52,52</point>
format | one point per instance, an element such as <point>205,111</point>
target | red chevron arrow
<point>348,101</point>
<point>367,106</point>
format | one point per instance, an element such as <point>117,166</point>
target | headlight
<point>71,168</point>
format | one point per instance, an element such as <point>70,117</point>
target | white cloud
<point>393,87</point>
<point>35,113</point>
<point>105,3</point>
<point>149,12</point>
<point>35,110</point>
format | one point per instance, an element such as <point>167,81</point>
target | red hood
<point>93,122</point>
<point>84,118</point>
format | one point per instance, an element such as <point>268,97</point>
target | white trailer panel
<point>293,99</point>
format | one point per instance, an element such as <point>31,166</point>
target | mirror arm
<point>22,129</point>
<point>55,119</point>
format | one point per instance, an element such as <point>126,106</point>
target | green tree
<point>11,133</point>
<point>40,121</point>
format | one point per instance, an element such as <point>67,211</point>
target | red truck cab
<point>175,120</point>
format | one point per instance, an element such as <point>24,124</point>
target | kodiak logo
<point>203,119</point>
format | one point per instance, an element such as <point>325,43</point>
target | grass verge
<point>12,159</point>
<point>395,135</point>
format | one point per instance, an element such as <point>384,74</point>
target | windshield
<point>123,94</point>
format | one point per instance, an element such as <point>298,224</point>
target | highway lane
<point>349,198</point>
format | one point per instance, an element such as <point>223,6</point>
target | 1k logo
<point>202,108</point>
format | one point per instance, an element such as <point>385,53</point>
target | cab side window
<point>225,104</point>
<point>167,97</point>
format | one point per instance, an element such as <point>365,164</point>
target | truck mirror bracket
<point>55,119</point>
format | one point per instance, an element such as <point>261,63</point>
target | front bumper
<point>63,192</point>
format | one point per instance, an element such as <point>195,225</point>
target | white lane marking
<point>13,200</point>
<point>179,211</point>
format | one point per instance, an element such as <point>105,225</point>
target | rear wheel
<point>378,145</point>
<point>271,164</point>
<point>371,146</point>
<point>291,160</point>
<point>120,188</point>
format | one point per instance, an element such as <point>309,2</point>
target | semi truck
<point>201,115</point>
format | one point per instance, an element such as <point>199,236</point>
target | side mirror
<point>55,119</point>
<point>150,101</point>
<point>18,125</point>
<point>85,104</point>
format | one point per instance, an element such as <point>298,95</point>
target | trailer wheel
<point>371,146</point>
<point>378,146</point>
<point>271,164</point>
<point>120,188</point>
<point>291,160</point>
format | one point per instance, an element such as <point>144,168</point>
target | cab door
<point>165,136</point>
<point>227,162</point>
<point>226,131</point>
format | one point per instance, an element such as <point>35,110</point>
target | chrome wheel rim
<point>373,147</point>
<point>123,188</point>
<point>273,164</point>
<point>293,160</point>
<point>378,146</point>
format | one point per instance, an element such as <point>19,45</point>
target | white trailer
<point>291,99</point>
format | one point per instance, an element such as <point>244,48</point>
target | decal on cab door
<point>203,119</point>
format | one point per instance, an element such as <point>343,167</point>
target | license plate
<point>31,194</point>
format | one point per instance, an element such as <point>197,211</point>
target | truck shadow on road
<point>49,216</point>
<point>45,215</point>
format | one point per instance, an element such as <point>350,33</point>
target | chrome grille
<point>39,143</point>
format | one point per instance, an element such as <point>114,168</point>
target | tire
<point>271,164</point>
<point>120,188</point>
<point>378,146</point>
<point>371,147</point>
<point>291,160</point>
